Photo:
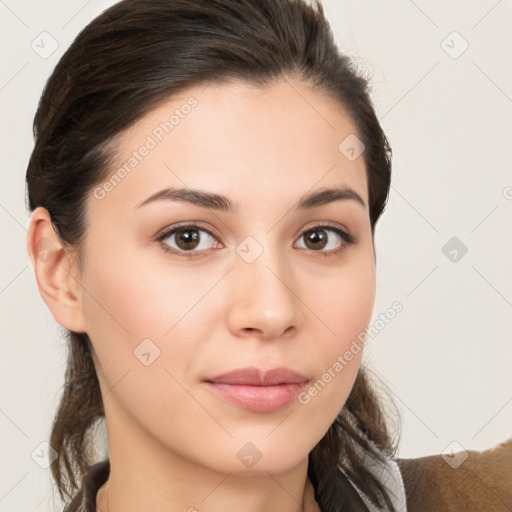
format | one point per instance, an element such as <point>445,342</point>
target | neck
<point>107,503</point>
<point>250,494</point>
<point>148,476</point>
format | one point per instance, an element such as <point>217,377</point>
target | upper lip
<point>252,376</point>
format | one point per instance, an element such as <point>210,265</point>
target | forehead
<point>240,140</point>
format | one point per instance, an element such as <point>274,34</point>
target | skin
<point>173,444</point>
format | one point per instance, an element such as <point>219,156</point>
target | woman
<point>205,185</point>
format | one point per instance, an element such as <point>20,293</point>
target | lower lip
<point>258,398</point>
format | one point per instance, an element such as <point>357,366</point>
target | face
<point>182,289</point>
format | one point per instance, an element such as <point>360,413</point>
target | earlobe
<point>55,271</point>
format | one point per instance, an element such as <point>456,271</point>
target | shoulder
<point>461,481</point>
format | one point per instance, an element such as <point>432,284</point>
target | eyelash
<point>347,238</point>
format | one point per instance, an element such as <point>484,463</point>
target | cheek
<point>148,322</point>
<point>345,309</point>
<point>136,300</point>
<point>345,304</point>
<point>144,325</point>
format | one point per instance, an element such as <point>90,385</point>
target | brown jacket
<point>482,482</point>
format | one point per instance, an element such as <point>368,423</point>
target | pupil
<point>315,237</point>
<point>189,239</point>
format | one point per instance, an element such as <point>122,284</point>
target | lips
<point>258,390</point>
<point>255,377</point>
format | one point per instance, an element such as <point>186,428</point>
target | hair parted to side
<point>133,57</point>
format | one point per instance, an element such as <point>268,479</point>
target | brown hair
<point>127,61</point>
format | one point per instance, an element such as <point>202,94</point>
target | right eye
<point>187,239</point>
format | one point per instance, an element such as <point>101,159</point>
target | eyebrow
<point>222,203</point>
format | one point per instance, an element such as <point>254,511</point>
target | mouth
<point>258,390</point>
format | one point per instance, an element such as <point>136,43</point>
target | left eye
<point>188,240</point>
<point>317,239</point>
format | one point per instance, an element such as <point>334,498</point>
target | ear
<point>56,272</point>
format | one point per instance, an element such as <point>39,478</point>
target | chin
<point>263,455</point>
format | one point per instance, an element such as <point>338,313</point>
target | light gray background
<point>446,357</point>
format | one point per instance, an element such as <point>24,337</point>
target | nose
<point>265,303</point>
